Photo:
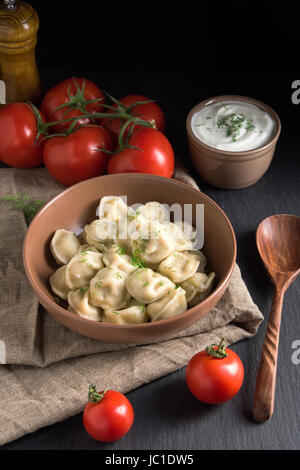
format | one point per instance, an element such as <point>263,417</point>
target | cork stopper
<point>19,24</point>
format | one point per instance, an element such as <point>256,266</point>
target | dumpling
<point>171,304</point>
<point>180,239</point>
<point>154,211</point>
<point>64,245</point>
<point>198,287</point>
<point>179,265</point>
<point>116,257</point>
<point>108,289</point>
<point>100,233</point>
<point>130,315</point>
<point>82,267</point>
<point>128,230</point>
<point>202,260</point>
<point>122,236</point>
<point>147,286</point>
<point>112,208</point>
<point>79,303</point>
<point>58,283</point>
<point>154,243</point>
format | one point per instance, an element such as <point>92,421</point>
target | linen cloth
<point>46,368</point>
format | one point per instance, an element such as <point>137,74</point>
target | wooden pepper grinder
<point>19,24</point>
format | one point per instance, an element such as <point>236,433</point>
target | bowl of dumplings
<point>116,258</point>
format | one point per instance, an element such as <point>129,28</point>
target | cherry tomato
<point>108,415</point>
<point>153,154</point>
<point>215,375</point>
<point>78,156</point>
<point>18,132</point>
<point>72,92</point>
<point>150,112</point>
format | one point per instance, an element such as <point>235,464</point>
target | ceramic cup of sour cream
<point>232,140</point>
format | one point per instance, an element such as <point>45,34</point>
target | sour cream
<point>233,126</point>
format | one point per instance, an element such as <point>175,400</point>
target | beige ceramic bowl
<point>76,206</point>
<point>227,169</point>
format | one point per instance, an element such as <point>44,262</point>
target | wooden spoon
<point>278,242</point>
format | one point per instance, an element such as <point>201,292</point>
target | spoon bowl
<point>278,243</point>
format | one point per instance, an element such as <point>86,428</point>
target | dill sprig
<point>83,290</point>
<point>121,250</point>
<point>141,306</point>
<point>24,203</point>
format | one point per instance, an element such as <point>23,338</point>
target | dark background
<point>180,53</point>
<point>216,35</point>
<point>177,53</point>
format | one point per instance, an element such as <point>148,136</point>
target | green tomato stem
<point>94,396</point>
<point>121,112</point>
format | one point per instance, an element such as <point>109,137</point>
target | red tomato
<point>150,112</point>
<point>110,418</point>
<point>212,379</point>
<point>78,156</point>
<point>58,95</point>
<point>18,131</point>
<point>154,154</point>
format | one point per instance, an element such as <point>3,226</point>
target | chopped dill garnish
<point>135,216</point>
<point>155,232</point>
<point>249,125</point>
<point>121,250</point>
<point>136,260</point>
<point>98,284</point>
<point>140,277</point>
<point>234,124</point>
<point>103,243</point>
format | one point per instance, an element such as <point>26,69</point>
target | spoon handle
<point>264,396</point>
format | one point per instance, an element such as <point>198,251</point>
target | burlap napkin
<point>46,368</point>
